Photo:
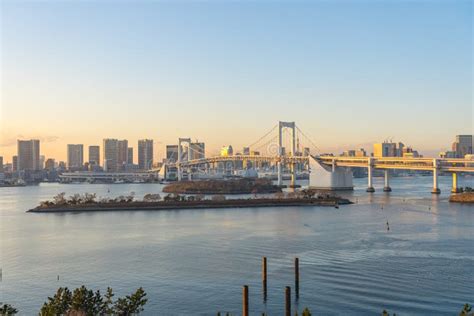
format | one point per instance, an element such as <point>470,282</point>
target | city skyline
<point>196,71</point>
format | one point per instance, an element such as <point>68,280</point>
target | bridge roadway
<point>435,165</point>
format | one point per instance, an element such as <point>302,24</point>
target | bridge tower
<point>292,126</point>
<point>180,154</point>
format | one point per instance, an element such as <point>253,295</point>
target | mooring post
<point>245,301</point>
<point>287,301</point>
<point>297,277</point>
<point>264,277</point>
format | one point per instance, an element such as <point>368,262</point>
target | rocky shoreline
<point>465,197</point>
<point>178,205</point>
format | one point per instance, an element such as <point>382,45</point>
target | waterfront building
<point>385,149</point>
<point>227,151</point>
<point>41,162</point>
<point>361,153</point>
<point>28,157</point>
<point>75,156</point>
<point>462,146</point>
<point>14,163</point>
<point>349,153</point>
<point>110,154</point>
<point>145,154</point>
<point>50,164</point>
<point>94,155</point>
<point>447,154</point>
<point>130,155</point>
<point>122,154</point>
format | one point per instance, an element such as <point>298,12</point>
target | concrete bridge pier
<point>455,188</point>
<point>370,187</point>
<point>387,187</point>
<point>436,189</point>
<point>293,175</point>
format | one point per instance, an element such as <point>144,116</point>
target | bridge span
<point>326,171</point>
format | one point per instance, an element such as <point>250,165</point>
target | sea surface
<point>195,262</point>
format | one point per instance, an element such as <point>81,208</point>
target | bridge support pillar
<point>436,189</point>
<point>370,187</point>
<point>293,175</point>
<point>387,187</point>
<point>455,188</point>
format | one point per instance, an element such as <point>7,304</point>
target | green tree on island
<point>85,302</point>
<point>7,310</point>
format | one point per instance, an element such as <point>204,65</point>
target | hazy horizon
<point>348,73</point>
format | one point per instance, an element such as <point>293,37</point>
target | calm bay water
<point>194,262</point>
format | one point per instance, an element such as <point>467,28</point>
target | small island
<point>230,186</point>
<point>465,196</point>
<point>154,202</point>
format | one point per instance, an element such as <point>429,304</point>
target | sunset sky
<point>349,73</point>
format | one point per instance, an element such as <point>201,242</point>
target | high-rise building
<point>110,154</point>
<point>14,163</point>
<point>130,155</point>
<point>306,151</point>
<point>463,145</point>
<point>1,164</point>
<point>75,156</point>
<point>385,149</point>
<point>171,153</point>
<point>28,157</point>
<point>227,151</point>
<point>145,154</point>
<point>122,154</point>
<point>246,151</point>
<point>41,162</point>
<point>49,164</point>
<point>94,155</point>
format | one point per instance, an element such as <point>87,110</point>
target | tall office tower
<point>145,154</point>
<point>50,164</point>
<point>75,156</point>
<point>94,155</point>
<point>227,151</point>
<point>130,155</point>
<point>385,149</point>
<point>28,155</point>
<point>172,153</point>
<point>41,162</point>
<point>1,164</point>
<point>463,145</point>
<point>122,154</point>
<point>110,154</point>
<point>198,150</point>
<point>246,151</point>
<point>14,163</point>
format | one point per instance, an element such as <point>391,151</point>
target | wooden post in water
<point>245,301</point>
<point>287,301</point>
<point>264,277</point>
<point>297,277</point>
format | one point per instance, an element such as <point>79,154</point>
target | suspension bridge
<point>286,149</point>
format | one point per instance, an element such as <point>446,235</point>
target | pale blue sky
<point>348,72</point>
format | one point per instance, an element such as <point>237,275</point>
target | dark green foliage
<point>131,304</point>
<point>85,302</point>
<point>306,312</point>
<point>466,311</point>
<point>7,310</point>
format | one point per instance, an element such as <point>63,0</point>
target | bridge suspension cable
<point>308,139</point>
<point>261,138</point>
